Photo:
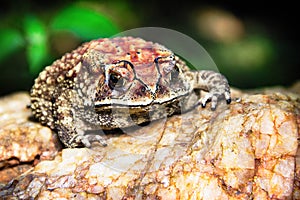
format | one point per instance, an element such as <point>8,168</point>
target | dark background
<point>269,29</point>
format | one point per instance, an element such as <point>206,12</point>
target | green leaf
<point>37,47</point>
<point>84,22</point>
<point>10,41</point>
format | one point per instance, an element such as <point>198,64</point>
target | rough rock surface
<point>245,150</point>
<point>23,142</point>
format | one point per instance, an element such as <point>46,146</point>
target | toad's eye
<point>116,81</point>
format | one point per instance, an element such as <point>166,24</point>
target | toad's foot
<point>215,84</point>
<point>86,140</point>
<point>214,96</point>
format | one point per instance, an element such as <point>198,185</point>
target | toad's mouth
<point>115,103</point>
<point>121,104</point>
<point>134,108</point>
<point>122,109</point>
<point>131,107</point>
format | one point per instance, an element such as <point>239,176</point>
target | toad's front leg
<point>72,129</point>
<point>214,83</point>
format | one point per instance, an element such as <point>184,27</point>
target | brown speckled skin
<point>115,83</point>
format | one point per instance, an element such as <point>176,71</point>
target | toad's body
<point>115,83</point>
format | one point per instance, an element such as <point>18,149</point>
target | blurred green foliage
<point>84,22</point>
<point>248,60</point>
<point>34,36</point>
<point>10,41</point>
<point>37,48</point>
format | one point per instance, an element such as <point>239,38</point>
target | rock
<point>23,142</point>
<point>245,150</point>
